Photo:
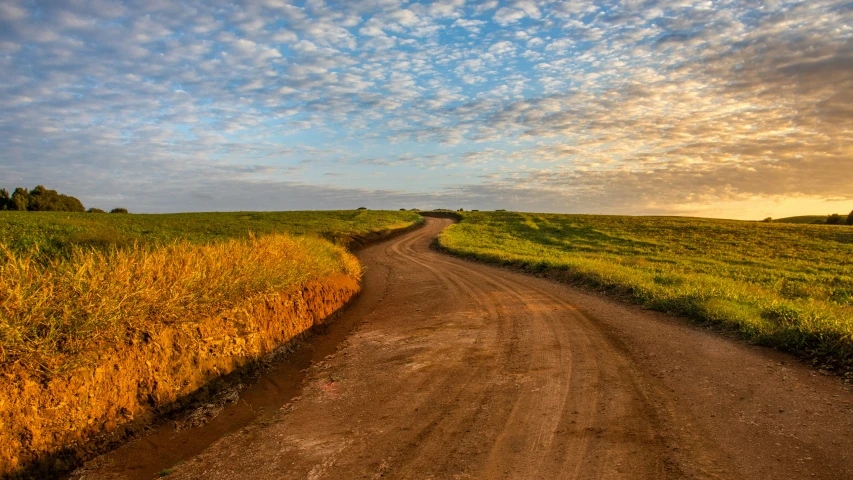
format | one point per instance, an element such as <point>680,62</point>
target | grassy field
<point>54,233</point>
<point>72,281</point>
<point>783,285</point>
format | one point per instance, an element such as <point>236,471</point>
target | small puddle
<point>163,447</point>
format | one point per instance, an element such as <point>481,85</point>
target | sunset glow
<point>722,108</point>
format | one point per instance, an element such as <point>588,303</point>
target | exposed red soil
<point>65,417</point>
<point>462,370</point>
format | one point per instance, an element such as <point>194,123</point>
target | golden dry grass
<point>52,313</point>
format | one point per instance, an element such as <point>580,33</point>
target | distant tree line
<point>40,199</point>
<point>836,219</point>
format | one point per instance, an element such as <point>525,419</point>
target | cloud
<point>502,48</point>
<point>617,106</point>
<point>506,16</point>
<point>474,26</point>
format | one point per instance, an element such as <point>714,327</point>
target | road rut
<point>459,370</point>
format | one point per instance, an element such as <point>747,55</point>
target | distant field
<point>55,232</point>
<point>802,219</point>
<point>71,281</point>
<point>789,286</point>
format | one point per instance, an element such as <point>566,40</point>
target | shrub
<point>361,208</point>
<point>119,210</point>
<point>95,210</point>
<point>767,220</point>
<point>834,219</point>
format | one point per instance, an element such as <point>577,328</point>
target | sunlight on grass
<point>53,233</point>
<point>55,310</point>
<point>69,282</point>
<point>788,286</point>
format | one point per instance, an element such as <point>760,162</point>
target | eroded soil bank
<point>47,425</point>
<point>50,425</point>
<point>245,398</point>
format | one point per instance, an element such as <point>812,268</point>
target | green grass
<point>784,285</point>
<point>54,233</point>
<point>802,219</point>
<point>73,282</point>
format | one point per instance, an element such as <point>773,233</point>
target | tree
<point>20,199</point>
<point>39,199</point>
<point>71,204</point>
<point>834,219</point>
<point>849,218</point>
<point>119,210</point>
<point>95,210</point>
<point>5,199</point>
<point>43,200</point>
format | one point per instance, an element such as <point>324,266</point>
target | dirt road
<point>458,370</point>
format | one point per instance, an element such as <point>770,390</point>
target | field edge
<point>834,360</point>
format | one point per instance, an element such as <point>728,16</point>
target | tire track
<point>540,430</point>
<point>563,384</point>
<point>587,384</point>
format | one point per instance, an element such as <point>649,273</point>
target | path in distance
<point>458,370</point>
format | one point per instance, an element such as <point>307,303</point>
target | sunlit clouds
<point>721,108</point>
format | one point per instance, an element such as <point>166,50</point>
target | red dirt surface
<point>459,370</point>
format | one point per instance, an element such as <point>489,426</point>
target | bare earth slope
<point>460,370</point>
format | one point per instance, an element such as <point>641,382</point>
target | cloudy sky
<point>725,108</point>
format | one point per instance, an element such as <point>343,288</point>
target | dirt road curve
<point>458,370</point>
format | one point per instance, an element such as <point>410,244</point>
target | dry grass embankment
<point>101,338</point>
<point>97,336</point>
<point>54,312</point>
